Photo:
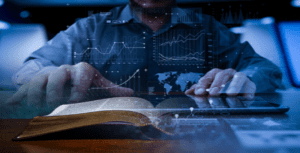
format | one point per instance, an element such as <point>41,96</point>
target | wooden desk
<point>11,127</point>
<point>212,139</point>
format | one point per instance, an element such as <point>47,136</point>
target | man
<point>90,53</point>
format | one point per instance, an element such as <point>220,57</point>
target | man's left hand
<point>216,79</point>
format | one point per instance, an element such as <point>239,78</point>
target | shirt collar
<point>127,15</point>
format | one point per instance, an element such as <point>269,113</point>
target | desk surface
<point>226,133</point>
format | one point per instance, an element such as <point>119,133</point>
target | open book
<point>133,111</point>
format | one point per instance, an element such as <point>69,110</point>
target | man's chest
<point>175,57</point>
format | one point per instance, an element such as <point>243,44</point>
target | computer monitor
<point>289,38</point>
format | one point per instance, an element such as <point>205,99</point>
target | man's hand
<point>55,84</point>
<point>216,79</point>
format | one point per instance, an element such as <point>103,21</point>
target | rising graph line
<point>182,39</point>
<point>118,84</point>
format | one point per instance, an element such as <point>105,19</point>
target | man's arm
<point>51,77</point>
<point>54,53</point>
<point>241,57</point>
<point>239,62</point>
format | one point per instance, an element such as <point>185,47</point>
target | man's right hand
<point>50,87</point>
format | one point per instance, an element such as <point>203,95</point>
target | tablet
<point>189,104</point>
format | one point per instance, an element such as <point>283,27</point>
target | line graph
<point>111,49</point>
<point>123,83</point>
<point>121,50</point>
<point>180,47</point>
<point>182,39</point>
<point>135,79</point>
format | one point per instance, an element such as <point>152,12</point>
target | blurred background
<point>25,25</point>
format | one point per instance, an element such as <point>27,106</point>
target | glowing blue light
<point>4,25</point>
<point>290,33</point>
<point>1,2</point>
<point>24,14</point>
<point>267,20</point>
<point>295,3</point>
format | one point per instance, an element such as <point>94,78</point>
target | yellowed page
<point>117,103</point>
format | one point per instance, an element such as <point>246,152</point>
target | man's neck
<point>154,22</point>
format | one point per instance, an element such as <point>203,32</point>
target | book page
<point>118,103</point>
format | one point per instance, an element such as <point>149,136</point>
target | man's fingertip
<point>188,91</point>
<point>232,90</point>
<point>131,92</point>
<point>199,91</point>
